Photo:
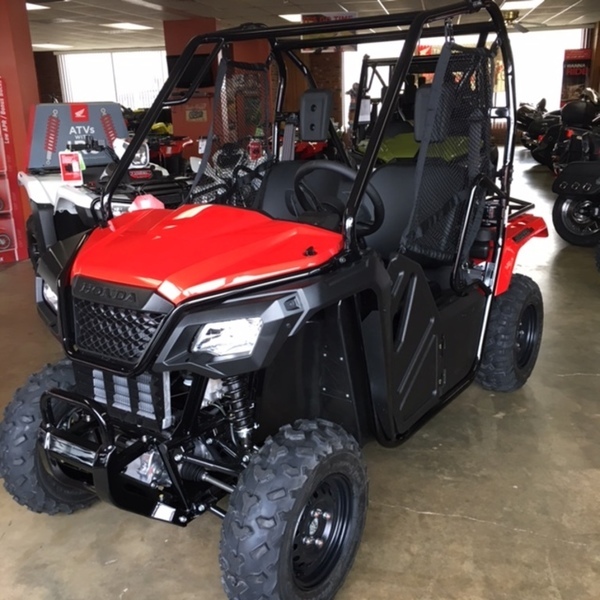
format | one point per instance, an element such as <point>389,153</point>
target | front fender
<point>518,232</point>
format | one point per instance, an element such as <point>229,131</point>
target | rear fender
<point>518,233</point>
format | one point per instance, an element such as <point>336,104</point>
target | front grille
<point>112,332</point>
<point>141,400</point>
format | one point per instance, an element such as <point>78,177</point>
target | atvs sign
<point>60,127</point>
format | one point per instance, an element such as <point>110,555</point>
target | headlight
<point>142,157</point>
<point>50,296</point>
<point>119,209</point>
<point>228,339</point>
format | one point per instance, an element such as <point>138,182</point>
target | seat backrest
<point>395,184</point>
<point>453,126</point>
<point>276,195</point>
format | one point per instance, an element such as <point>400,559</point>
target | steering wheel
<point>308,199</point>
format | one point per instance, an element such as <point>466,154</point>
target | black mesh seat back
<point>452,122</point>
<point>243,111</point>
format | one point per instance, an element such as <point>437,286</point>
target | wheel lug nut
<point>327,516</point>
<point>316,513</point>
<point>308,541</point>
<point>319,543</point>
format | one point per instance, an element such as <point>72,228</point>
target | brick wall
<point>326,68</point>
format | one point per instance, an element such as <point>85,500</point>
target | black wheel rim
<point>321,532</point>
<point>579,217</point>
<point>526,336</point>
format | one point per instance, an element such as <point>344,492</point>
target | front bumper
<point>104,462</point>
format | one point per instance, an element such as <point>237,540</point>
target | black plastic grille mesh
<point>455,150</point>
<point>112,332</point>
<point>241,130</point>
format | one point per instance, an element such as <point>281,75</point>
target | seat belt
<point>289,139</point>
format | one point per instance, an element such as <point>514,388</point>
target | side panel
<point>411,332</point>
<point>461,322</point>
<point>319,373</point>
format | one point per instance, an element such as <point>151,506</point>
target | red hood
<point>196,250</point>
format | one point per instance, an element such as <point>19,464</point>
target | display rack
<point>13,244</point>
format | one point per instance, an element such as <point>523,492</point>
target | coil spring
<point>51,140</point>
<point>237,400</point>
<point>108,126</point>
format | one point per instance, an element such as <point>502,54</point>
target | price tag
<point>70,167</point>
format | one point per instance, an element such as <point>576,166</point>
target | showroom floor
<point>495,499</point>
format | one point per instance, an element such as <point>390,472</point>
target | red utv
<point>248,343</point>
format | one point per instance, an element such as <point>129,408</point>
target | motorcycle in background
<point>533,121</point>
<point>576,212</point>
<point>563,141</point>
<point>579,139</point>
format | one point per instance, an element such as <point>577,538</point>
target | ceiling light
<point>127,26</point>
<point>51,46</point>
<point>521,4</point>
<point>292,18</point>
<point>30,6</point>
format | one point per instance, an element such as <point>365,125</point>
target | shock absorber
<point>109,127</point>
<point>51,140</point>
<point>237,401</point>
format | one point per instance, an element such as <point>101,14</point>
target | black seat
<point>276,196</point>
<point>396,182</point>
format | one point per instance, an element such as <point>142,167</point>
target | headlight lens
<point>50,296</point>
<point>142,157</point>
<point>228,339</point>
<point>119,209</point>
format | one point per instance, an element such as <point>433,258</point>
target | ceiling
<point>79,24</point>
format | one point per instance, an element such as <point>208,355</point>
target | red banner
<point>576,74</point>
<point>13,244</point>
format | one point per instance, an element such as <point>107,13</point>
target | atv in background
<point>249,342</point>
<point>60,209</point>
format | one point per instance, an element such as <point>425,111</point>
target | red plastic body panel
<point>196,250</point>
<point>518,233</point>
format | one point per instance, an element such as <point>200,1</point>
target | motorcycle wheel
<point>577,220</point>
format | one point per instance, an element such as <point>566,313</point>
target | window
<point>132,79</point>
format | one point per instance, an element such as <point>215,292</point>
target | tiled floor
<point>495,499</point>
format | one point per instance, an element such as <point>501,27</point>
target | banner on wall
<point>312,19</point>
<point>576,74</point>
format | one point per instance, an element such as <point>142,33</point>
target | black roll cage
<point>284,40</point>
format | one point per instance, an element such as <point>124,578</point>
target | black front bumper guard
<point>106,463</point>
